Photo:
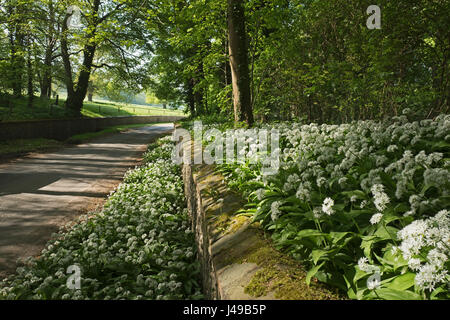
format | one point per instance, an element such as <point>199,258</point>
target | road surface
<point>42,192</point>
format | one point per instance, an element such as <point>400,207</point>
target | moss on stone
<point>235,223</point>
<point>283,276</point>
<point>221,222</point>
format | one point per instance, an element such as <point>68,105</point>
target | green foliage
<point>356,200</point>
<point>308,59</point>
<point>312,60</point>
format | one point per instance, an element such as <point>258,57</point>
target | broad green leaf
<point>440,146</point>
<point>402,282</point>
<point>338,236</point>
<point>392,294</point>
<point>355,193</point>
<point>397,260</point>
<point>318,254</point>
<point>356,213</point>
<point>359,275</point>
<point>366,244</point>
<point>351,294</point>
<point>386,233</point>
<point>312,272</point>
<point>436,292</point>
<point>309,233</point>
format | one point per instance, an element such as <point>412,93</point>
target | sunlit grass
<point>19,110</point>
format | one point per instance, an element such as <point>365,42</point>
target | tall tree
<point>111,26</point>
<point>77,94</point>
<point>238,50</point>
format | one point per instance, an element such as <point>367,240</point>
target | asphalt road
<point>41,192</point>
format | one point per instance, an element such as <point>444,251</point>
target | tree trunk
<point>91,91</point>
<point>30,77</point>
<point>198,99</point>
<point>190,97</point>
<point>16,39</point>
<point>238,50</point>
<point>75,97</point>
<point>46,77</point>
<point>46,85</point>
<point>66,62</point>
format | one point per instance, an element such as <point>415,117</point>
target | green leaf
<point>386,233</point>
<point>351,294</point>
<point>338,236</point>
<point>312,272</point>
<point>317,254</point>
<point>402,282</point>
<point>309,233</point>
<point>356,213</point>
<point>366,244</point>
<point>355,193</point>
<point>392,294</point>
<point>436,292</point>
<point>359,275</point>
<point>440,146</point>
<point>395,260</point>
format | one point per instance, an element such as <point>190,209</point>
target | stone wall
<point>63,129</point>
<point>195,207</point>
<point>223,238</point>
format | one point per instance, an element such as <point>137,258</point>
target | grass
<point>100,109</point>
<point>18,109</point>
<point>14,148</point>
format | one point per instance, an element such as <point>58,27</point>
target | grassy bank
<point>19,110</point>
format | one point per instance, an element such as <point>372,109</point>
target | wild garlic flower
<point>260,194</point>
<point>275,210</point>
<point>373,284</point>
<point>327,206</point>
<point>427,238</point>
<point>376,218</point>
<point>381,199</point>
<point>365,266</point>
<point>317,213</point>
<point>363,204</point>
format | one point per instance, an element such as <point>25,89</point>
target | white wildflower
<point>373,283</point>
<point>260,194</point>
<point>363,204</point>
<point>327,206</point>
<point>376,218</point>
<point>275,210</point>
<point>381,199</point>
<point>414,264</point>
<point>363,265</point>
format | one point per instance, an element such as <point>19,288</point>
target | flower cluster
<point>426,246</point>
<point>347,190</point>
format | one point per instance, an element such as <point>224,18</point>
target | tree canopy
<point>255,59</point>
